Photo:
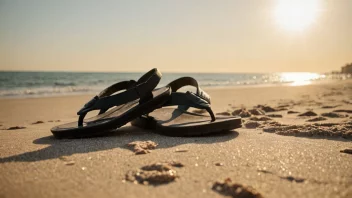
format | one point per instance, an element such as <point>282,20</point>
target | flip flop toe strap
<point>199,100</point>
<point>133,90</point>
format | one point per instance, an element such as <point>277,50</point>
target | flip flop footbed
<point>179,122</point>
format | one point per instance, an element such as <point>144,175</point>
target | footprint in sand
<point>154,174</point>
<point>228,188</point>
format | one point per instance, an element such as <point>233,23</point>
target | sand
<point>34,164</point>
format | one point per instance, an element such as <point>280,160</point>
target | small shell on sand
<point>16,128</point>
<point>333,115</point>
<point>69,163</point>
<point>142,147</point>
<point>316,119</point>
<point>343,111</point>
<point>252,124</point>
<point>275,115</point>
<point>308,113</point>
<point>181,150</point>
<point>228,188</point>
<point>292,112</point>
<point>38,122</point>
<point>348,151</point>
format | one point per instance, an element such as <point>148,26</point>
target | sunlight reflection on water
<point>301,78</point>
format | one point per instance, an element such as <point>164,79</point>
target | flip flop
<point>180,122</point>
<point>117,109</point>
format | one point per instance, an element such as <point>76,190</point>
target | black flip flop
<point>138,98</point>
<point>180,122</point>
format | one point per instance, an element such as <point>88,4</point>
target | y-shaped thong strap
<point>200,99</point>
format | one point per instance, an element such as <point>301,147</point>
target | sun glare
<point>297,79</point>
<point>296,15</point>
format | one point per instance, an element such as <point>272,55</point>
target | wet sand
<point>277,153</point>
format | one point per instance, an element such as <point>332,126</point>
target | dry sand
<point>34,164</point>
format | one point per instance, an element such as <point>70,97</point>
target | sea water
<point>39,84</point>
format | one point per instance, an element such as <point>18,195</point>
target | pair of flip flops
<point>140,103</point>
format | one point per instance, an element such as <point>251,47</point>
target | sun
<point>296,15</point>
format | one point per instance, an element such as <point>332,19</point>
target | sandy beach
<point>279,154</point>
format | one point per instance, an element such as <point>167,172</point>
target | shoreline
<point>289,84</point>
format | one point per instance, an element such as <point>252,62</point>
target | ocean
<point>41,84</point>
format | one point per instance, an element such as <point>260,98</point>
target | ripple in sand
<point>16,128</point>
<point>264,118</point>
<point>275,115</point>
<point>292,112</point>
<point>323,129</point>
<point>316,119</point>
<point>308,113</point>
<point>333,115</point>
<point>329,107</point>
<point>228,188</point>
<point>343,111</point>
<point>142,147</point>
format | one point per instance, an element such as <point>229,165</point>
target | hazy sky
<point>176,36</point>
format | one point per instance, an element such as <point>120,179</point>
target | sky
<point>175,36</point>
